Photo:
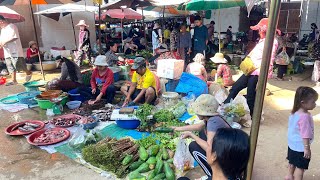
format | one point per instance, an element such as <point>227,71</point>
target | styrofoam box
<point>170,68</point>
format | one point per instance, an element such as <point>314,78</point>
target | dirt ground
<point>19,160</point>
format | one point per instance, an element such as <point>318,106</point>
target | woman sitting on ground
<point>112,58</point>
<point>205,107</point>
<point>223,69</point>
<point>32,53</point>
<point>101,83</point>
<point>196,68</point>
<point>70,76</point>
<point>228,155</point>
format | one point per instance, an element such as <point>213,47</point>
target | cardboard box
<point>170,68</point>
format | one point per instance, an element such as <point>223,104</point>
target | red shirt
<point>31,52</point>
<point>103,81</point>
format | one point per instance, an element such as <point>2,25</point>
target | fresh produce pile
<point>112,155</point>
<point>26,127</point>
<point>78,142</point>
<point>65,121</point>
<point>50,136</point>
<point>145,53</point>
<point>164,116</point>
<point>237,110</point>
<point>143,113</point>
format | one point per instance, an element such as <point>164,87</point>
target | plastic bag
<point>191,84</point>
<point>179,109</point>
<point>282,58</point>
<point>221,96</point>
<point>316,74</point>
<point>182,159</point>
<point>188,100</point>
<point>82,138</point>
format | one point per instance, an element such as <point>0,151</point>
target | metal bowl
<point>47,66</point>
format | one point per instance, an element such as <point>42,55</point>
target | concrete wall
<point>228,17</point>
<point>310,15</point>
<point>52,33</point>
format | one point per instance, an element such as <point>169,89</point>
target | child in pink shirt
<point>300,132</point>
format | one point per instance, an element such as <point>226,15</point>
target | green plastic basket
<point>47,104</point>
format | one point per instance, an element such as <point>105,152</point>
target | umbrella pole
<point>74,32</point>
<point>99,32</point>
<point>261,86</point>
<point>164,8</point>
<point>219,31</point>
<point>122,35</point>
<point>144,29</point>
<point>36,34</point>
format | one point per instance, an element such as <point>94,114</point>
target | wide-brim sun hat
<point>219,59</point>
<point>139,61</point>
<point>263,26</point>
<point>205,105</point>
<point>32,43</point>
<point>82,23</point>
<point>101,60</point>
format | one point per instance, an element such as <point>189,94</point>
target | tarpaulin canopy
<point>11,15</point>
<point>69,8</point>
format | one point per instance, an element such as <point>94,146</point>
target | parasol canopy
<point>69,8</point>
<point>127,4</point>
<point>27,2</point>
<point>201,5</point>
<point>126,13</point>
<point>168,9</point>
<point>11,15</point>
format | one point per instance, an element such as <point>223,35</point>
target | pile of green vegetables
<point>155,161</point>
<point>142,114</point>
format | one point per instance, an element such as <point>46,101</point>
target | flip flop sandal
<point>11,83</point>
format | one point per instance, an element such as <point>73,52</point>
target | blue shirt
<point>200,37</point>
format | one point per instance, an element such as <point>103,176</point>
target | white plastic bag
<point>221,96</point>
<point>316,74</point>
<point>282,58</point>
<point>182,159</point>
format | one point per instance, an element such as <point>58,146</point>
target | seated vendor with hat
<point>223,69</point>
<point>32,53</point>
<point>143,86</point>
<point>112,58</point>
<point>163,53</point>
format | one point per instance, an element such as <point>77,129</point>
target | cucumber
<point>135,175</point>
<point>152,162</point>
<point>136,165</point>
<point>160,177</point>
<point>170,161</point>
<point>153,150</point>
<point>159,166</point>
<point>163,130</point>
<point>143,153</point>
<point>168,171</point>
<point>152,175</point>
<point>143,168</point>
<point>159,155</point>
<point>165,154</point>
<point>127,160</point>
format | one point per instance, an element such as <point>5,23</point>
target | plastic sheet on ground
<point>13,107</point>
<point>191,84</point>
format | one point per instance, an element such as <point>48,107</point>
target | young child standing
<point>300,132</point>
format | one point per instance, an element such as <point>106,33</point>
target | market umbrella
<point>127,4</point>
<point>35,2</point>
<point>11,15</point>
<point>199,5</point>
<point>65,10</point>
<point>169,9</point>
<point>126,13</point>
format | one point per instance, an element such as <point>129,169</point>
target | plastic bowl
<point>28,97</point>
<point>128,124</point>
<point>73,104</point>
<point>76,97</point>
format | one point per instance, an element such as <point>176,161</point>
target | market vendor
<point>196,68</point>
<point>205,107</point>
<point>101,83</point>
<point>223,69</point>
<point>112,58</point>
<point>143,85</point>
<point>129,46</point>
<point>32,53</point>
<point>70,76</point>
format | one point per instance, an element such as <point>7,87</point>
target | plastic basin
<point>47,104</point>
<point>28,97</point>
<point>76,97</point>
<point>128,124</point>
<point>73,104</point>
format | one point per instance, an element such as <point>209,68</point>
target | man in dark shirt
<point>200,36</point>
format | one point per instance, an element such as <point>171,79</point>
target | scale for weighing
<point>57,107</point>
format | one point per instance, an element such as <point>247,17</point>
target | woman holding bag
<point>250,78</point>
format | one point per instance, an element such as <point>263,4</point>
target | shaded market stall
<point>11,15</point>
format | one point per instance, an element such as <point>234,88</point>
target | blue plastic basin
<point>128,124</point>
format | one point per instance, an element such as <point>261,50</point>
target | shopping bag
<point>182,159</point>
<point>316,74</point>
<point>247,66</point>
<point>282,58</point>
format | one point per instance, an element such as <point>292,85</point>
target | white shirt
<point>11,48</point>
